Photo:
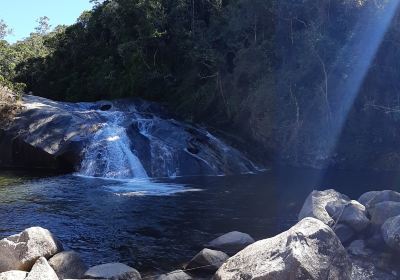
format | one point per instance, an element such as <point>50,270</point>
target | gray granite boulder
<point>13,275</point>
<point>207,260</point>
<point>20,251</point>
<point>42,271</point>
<point>316,202</point>
<point>68,264</point>
<point>383,211</point>
<point>114,271</point>
<point>391,233</point>
<point>351,213</point>
<point>175,275</point>
<point>370,199</point>
<point>308,250</point>
<point>231,242</point>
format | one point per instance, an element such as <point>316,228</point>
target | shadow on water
<point>161,224</point>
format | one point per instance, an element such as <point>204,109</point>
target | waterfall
<point>109,153</point>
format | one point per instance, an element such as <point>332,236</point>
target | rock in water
<point>13,275</point>
<point>316,202</point>
<point>207,260</point>
<point>20,251</point>
<point>391,233</point>
<point>114,271</point>
<point>309,250</point>
<point>68,264</point>
<point>231,242</point>
<point>383,211</point>
<point>42,271</point>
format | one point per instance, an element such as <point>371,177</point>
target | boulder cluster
<point>336,238</point>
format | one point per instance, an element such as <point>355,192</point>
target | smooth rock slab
<point>68,264</point>
<point>114,271</point>
<point>231,242</point>
<point>20,251</point>
<point>42,271</point>
<point>309,250</point>
<point>207,260</point>
<point>316,202</point>
<point>13,275</point>
<point>391,233</point>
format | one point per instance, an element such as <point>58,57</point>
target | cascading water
<point>109,153</point>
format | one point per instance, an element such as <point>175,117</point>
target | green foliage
<point>260,68</point>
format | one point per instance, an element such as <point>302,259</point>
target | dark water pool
<point>159,225</point>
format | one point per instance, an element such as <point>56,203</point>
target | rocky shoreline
<point>336,238</point>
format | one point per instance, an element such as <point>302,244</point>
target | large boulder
<point>316,202</point>
<point>391,232</point>
<point>175,275</point>
<point>114,271</point>
<point>383,211</point>
<point>370,199</point>
<point>207,260</point>
<point>42,271</point>
<point>68,264</point>
<point>359,248</point>
<point>231,242</point>
<point>13,275</point>
<point>351,213</point>
<point>308,250</point>
<point>20,251</point>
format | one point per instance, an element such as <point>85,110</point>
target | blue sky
<point>21,15</point>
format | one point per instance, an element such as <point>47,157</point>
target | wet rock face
<point>58,135</point>
<point>309,250</point>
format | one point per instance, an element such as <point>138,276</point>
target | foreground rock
<point>207,261</point>
<point>13,275</point>
<point>20,251</point>
<point>391,233</point>
<point>68,264</point>
<point>316,202</point>
<point>309,250</point>
<point>114,271</point>
<point>231,242</point>
<point>42,271</point>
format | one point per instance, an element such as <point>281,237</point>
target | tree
<point>4,30</point>
<point>43,25</point>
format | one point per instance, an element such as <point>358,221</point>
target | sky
<point>21,15</point>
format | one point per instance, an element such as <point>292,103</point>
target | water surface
<point>160,224</point>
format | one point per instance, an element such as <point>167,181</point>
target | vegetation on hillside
<point>263,69</point>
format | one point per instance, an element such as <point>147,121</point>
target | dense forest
<point>266,70</point>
